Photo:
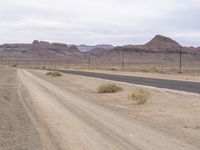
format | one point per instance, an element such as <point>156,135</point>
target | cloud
<point>92,21</point>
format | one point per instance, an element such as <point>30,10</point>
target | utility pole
<point>89,62</point>
<point>9,59</point>
<point>68,61</point>
<point>65,62</point>
<point>54,63</point>
<point>123,61</point>
<point>180,62</point>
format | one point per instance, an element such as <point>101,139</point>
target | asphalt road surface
<point>186,86</point>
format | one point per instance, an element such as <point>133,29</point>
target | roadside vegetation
<point>140,96</point>
<point>14,66</point>
<point>109,88</point>
<point>54,74</point>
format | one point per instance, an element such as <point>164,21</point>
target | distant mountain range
<point>158,44</point>
<point>159,49</point>
<point>85,48</point>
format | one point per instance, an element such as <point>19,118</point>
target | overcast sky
<point>117,22</point>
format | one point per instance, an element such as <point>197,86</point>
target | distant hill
<point>160,42</point>
<point>85,48</point>
<point>36,50</point>
<point>159,50</point>
<point>98,51</point>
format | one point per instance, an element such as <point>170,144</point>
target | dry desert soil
<point>38,112</point>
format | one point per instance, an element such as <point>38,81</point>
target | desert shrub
<point>48,73</point>
<point>113,69</point>
<point>14,66</point>
<point>140,96</point>
<point>54,74</point>
<point>44,67</point>
<point>109,88</point>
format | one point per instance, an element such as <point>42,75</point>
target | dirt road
<point>16,128</point>
<point>39,112</point>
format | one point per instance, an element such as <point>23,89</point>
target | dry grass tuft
<point>109,88</point>
<point>140,96</point>
<point>53,74</point>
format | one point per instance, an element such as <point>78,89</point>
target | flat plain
<point>67,113</point>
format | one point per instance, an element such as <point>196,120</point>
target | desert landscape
<point>161,54</point>
<point>67,112</point>
<point>99,75</point>
<point>56,96</point>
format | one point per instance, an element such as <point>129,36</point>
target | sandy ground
<point>66,113</point>
<point>16,128</point>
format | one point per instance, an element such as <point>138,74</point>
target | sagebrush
<point>109,88</point>
<point>54,74</point>
<point>140,96</point>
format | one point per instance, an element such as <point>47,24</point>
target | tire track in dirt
<point>16,129</point>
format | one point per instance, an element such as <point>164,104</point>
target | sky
<point>117,22</point>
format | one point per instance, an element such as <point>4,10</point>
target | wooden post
<point>180,62</point>
<point>123,61</point>
<point>68,62</point>
<point>54,63</point>
<point>89,61</point>
<point>65,63</point>
<point>9,59</point>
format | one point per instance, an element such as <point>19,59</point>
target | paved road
<point>160,83</point>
